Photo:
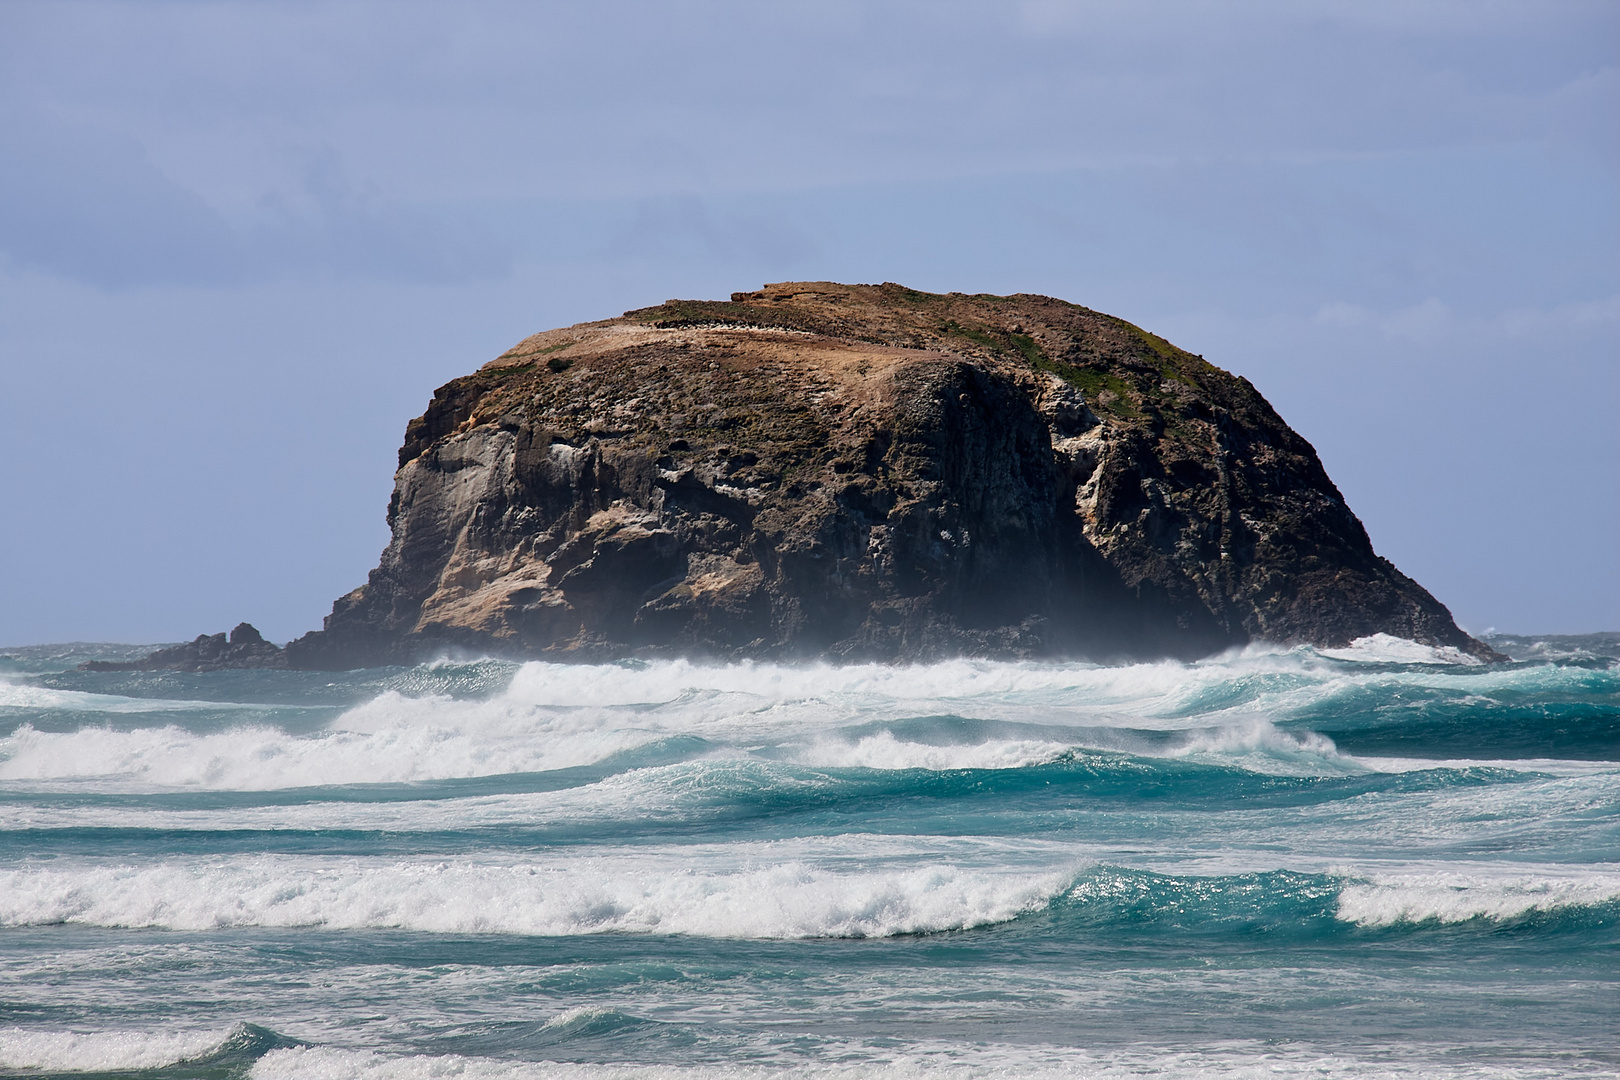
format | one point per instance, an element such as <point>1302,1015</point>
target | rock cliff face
<point>862,472</point>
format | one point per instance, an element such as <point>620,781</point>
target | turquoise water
<point>1379,861</point>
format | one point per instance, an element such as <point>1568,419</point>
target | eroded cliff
<point>853,472</point>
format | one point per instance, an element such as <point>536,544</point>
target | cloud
<point>645,99</point>
<point>204,142</point>
<point>679,226</point>
<point>1433,320</point>
<point>1447,17</point>
<point>1585,315</point>
<point>1429,321</point>
<point>1426,321</point>
<point>89,205</point>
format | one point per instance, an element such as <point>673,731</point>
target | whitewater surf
<point>1387,860</point>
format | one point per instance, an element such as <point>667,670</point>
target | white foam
<point>1453,895</point>
<point>121,1050</point>
<point>98,1051</point>
<point>1014,690</point>
<point>685,791</point>
<point>579,1016</point>
<point>740,890</point>
<point>15,695</point>
<point>1567,818</point>
<point>1557,821</point>
<point>1562,767</point>
<point>1387,649</point>
<point>937,1062</point>
<point>1258,745</point>
<point>885,751</point>
<point>554,716</point>
<point>663,682</point>
<point>667,792</point>
<point>427,739</point>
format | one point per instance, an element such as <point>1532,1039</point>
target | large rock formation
<point>854,472</point>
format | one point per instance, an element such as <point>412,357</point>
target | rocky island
<point>861,472</point>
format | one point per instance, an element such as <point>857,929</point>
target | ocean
<point>1380,861</point>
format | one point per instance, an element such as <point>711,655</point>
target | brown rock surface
<point>857,471</point>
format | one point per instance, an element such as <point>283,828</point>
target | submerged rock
<point>857,472</point>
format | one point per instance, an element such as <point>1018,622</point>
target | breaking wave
<point>656,893</point>
<point>777,891</point>
<point>127,1051</point>
<point>1272,711</point>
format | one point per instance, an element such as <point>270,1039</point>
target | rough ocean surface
<point>1382,860</point>
<point>860,473</point>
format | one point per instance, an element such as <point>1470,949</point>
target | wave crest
<point>123,1051</point>
<point>790,899</point>
<point>1457,897</point>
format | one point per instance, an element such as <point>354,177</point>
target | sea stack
<point>862,472</point>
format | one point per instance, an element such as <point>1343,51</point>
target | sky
<point>241,244</point>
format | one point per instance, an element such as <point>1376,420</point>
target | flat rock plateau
<point>861,472</point>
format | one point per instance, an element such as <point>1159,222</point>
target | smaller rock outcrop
<point>245,648</point>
